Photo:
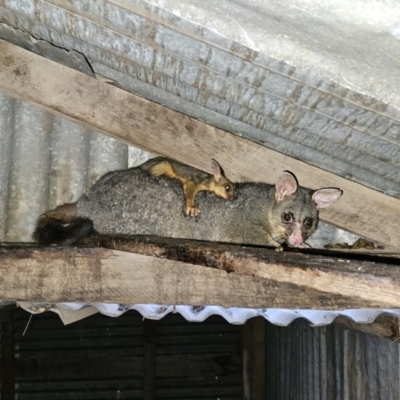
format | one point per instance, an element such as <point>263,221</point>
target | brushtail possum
<point>193,180</point>
<point>134,202</point>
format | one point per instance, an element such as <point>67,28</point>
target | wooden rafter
<point>157,129</point>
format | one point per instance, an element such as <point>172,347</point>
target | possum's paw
<point>192,212</point>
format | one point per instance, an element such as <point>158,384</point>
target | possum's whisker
<point>278,237</point>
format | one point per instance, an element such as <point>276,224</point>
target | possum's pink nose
<point>295,240</point>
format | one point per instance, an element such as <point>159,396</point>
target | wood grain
<point>228,276</point>
<point>157,129</point>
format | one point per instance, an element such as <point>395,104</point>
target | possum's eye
<point>308,223</point>
<point>287,217</point>
<point>227,188</point>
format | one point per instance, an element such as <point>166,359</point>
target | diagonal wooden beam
<point>157,129</point>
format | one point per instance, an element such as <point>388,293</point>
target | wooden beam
<point>225,275</point>
<point>253,348</point>
<point>157,129</point>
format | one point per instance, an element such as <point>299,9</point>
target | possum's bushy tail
<point>62,226</point>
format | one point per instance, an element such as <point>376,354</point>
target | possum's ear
<point>216,169</point>
<point>324,198</point>
<point>285,186</point>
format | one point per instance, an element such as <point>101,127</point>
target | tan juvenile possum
<point>193,180</point>
<point>134,202</point>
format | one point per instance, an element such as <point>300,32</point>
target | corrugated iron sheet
<point>329,363</point>
<point>152,52</point>
<point>47,161</point>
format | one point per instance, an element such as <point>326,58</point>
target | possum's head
<point>294,216</point>
<point>222,187</point>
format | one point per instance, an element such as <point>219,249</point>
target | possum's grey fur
<point>131,202</point>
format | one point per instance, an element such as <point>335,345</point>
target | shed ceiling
<point>315,80</point>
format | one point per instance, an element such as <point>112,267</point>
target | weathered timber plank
<point>160,130</point>
<point>197,252</point>
<point>238,277</point>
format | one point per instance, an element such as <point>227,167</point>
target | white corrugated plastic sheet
<point>282,317</point>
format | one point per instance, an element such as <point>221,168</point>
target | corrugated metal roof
<point>151,51</point>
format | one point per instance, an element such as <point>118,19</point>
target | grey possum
<point>193,180</point>
<point>133,202</point>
